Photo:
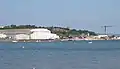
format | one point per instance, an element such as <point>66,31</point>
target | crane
<point>105,28</point>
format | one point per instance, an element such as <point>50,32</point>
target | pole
<point>105,30</point>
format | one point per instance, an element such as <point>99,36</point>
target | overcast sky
<point>79,14</point>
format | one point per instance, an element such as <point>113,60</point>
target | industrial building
<point>28,34</point>
<point>42,34</point>
<point>22,37</point>
<point>11,33</point>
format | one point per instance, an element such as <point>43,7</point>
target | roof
<point>39,30</point>
<point>15,31</point>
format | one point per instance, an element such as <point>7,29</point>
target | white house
<point>22,37</point>
<point>42,34</point>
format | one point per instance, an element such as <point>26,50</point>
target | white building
<point>3,35</point>
<point>100,36</point>
<point>42,34</point>
<point>1,26</point>
<point>21,37</point>
<point>117,38</point>
<point>54,36</point>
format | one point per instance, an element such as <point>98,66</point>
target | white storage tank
<point>21,37</point>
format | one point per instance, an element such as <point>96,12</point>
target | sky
<point>78,14</point>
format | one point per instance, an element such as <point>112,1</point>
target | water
<point>60,55</point>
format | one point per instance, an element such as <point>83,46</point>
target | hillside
<point>63,32</point>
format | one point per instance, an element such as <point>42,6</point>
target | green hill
<point>63,32</point>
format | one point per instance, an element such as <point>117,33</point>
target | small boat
<point>14,41</point>
<point>33,68</point>
<point>37,41</point>
<point>23,47</point>
<point>90,42</point>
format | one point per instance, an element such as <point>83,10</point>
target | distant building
<point>42,34</point>
<point>22,37</point>
<point>25,34</point>
<point>118,38</point>
<point>101,36</point>
<point>11,33</point>
<point>1,26</point>
<point>3,36</point>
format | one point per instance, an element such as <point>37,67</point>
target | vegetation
<point>64,32</point>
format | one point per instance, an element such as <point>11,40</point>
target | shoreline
<point>40,41</point>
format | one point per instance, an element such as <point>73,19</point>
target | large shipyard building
<point>28,34</point>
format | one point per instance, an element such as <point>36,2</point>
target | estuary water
<point>61,55</point>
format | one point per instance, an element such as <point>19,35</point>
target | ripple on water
<point>99,55</point>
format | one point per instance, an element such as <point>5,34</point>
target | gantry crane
<point>105,28</point>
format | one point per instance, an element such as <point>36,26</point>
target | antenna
<point>105,28</point>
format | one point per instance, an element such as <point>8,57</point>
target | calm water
<point>60,55</point>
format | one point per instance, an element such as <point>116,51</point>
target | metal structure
<point>105,28</point>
